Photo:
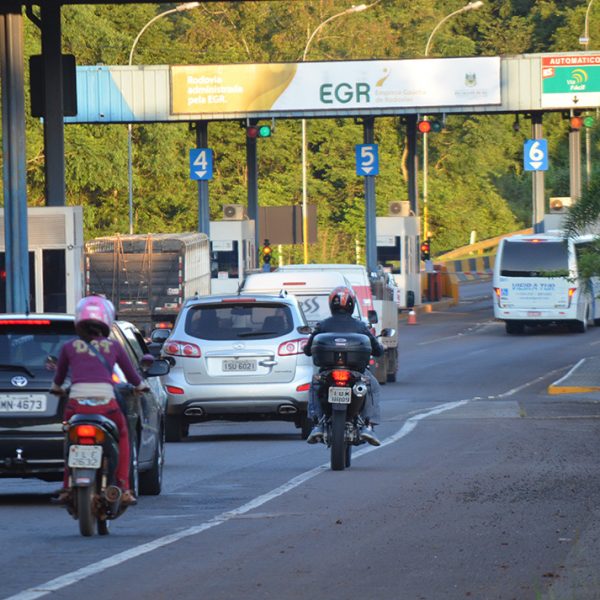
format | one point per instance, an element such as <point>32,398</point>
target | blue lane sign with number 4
<point>535,155</point>
<point>367,159</point>
<point>201,163</point>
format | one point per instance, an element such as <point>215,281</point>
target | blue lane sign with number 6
<point>535,155</point>
<point>367,159</point>
<point>201,163</point>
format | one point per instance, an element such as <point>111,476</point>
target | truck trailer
<point>147,277</point>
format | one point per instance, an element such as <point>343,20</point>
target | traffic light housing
<point>425,250</point>
<point>267,252</point>
<point>258,131</point>
<point>429,126</point>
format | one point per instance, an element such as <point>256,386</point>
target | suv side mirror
<point>372,316</point>
<point>304,329</point>
<point>158,336</point>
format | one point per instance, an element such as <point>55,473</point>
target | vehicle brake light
<point>24,321</point>
<point>498,292</point>
<point>292,347</point>
<point>185,349</point>
<point>86,434</point>
<point>305,387</point>
<point>571,294</point>
<point>340,377</point>
<point>174,390</point>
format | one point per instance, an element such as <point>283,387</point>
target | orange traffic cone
<point>412,317</point>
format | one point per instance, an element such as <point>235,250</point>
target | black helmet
<point>342,299</point>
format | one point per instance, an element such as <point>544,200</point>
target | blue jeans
<point>370,411</point>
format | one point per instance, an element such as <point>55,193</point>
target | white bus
<point>536,282</point>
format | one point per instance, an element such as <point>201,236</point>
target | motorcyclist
<point>89,359</point>
<point>341,303</point>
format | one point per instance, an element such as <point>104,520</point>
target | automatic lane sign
<point>535,155</point>
<point>367,159</point>
<point>201,163</point>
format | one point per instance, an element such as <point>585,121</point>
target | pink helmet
<point>97,311</point>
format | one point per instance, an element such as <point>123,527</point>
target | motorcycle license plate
<point>85,457</point>
<point>339,395</point>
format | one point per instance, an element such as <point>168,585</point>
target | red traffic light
<point>576,122</point>
<point>424,126</point>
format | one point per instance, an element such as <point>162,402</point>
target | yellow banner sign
<point>197,89</point>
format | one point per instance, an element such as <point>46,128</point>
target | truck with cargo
<point>374,292</point>
<point>148,276</point>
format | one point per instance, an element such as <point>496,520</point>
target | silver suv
<point>237,358</point>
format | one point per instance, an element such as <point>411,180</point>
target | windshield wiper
<point>17,368</point>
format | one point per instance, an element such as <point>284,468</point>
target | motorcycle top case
<point>351,350</point>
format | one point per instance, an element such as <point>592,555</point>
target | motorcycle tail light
<point>86,434</point>
<point>340,377</point>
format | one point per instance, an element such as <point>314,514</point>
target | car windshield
<point>238,320</point>
<point>32,346</point>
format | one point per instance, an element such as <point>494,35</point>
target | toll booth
<point>55,237</point>
<point>232,253</point>
<point>398,252</point>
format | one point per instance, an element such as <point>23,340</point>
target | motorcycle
<point>342,388</point>
<point>91,456</point>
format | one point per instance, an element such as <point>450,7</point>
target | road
<point>485,487</point>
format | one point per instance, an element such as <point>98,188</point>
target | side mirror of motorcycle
<point>372,316</point>
<point>304,329</point>
<point>158,368</point>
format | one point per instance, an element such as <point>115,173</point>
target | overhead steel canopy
<point>507,84</point>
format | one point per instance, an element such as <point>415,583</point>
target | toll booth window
<point>55,292</point>
<point>32,306</point>
<point>224,259</point>
<point>390,254</point>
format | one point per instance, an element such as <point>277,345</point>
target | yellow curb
<point>554,390</point>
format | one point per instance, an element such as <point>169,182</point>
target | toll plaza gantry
<point>526,85</point>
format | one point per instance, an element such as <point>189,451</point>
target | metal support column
<point>537,179</point>
<point>13,146</point>
<point>54,139</point>
<point>252,168</point>
<point>412,163</point>
<point>203,203</point>
<point>370,207</point>
<point>575,163</point>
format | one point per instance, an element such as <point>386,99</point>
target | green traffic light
<point>588,121</point>
<point>264,131</point>
<point>436,126</point>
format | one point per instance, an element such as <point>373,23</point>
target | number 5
<point>367,155</point>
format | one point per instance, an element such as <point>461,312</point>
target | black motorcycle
<point>92,455</point>
<point>342,387</point>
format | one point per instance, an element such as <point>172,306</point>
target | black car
<point>31,437</point>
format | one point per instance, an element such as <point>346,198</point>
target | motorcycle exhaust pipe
<point>112,493</point>
<point>359,390</point>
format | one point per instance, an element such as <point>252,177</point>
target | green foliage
<point>476,178</point>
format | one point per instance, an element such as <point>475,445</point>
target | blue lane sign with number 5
<point>367,159</point>
<point>535,155</point>
<point>201,163</point>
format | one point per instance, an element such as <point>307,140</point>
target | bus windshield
<point>534,259</point>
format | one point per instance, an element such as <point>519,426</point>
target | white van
<point>536,281</point>
<point>312,290</point>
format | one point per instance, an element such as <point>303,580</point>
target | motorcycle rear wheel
<point>338,442</point>
<point>87,520</point>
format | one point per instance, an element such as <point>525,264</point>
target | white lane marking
<point>63,581</point>
<point>558,381</point>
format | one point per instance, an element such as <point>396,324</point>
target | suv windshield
<point>529,259</point>
<point>33,345</point>
<point>238,320</point>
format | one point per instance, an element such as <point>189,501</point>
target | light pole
<point>352,9</point>
<point>467,7</point>
<point>584,40</point>
<point>180,8</point>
